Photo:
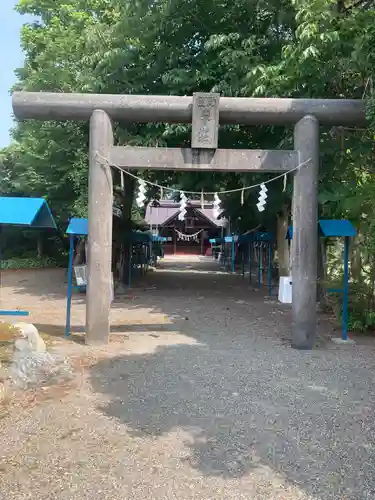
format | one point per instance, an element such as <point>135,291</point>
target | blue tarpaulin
<point>24,212</point>
<point>216,241</point>
<point>246,238</point>
<point>138,237</point>
<point>231,239</point>
<point>256,236</point>
<point>28,212</point>
<point>330,228</point>
<point>78,226</point>
<point>337,228</point>
<point>334,227</point>
<point>263,236</point>
<point>158,239</point>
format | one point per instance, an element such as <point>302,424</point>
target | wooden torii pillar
<point>204,112</point>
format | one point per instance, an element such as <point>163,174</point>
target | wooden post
<point>100,230</point>
<point>305,233</point>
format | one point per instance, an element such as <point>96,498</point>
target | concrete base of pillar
<point>341,341</point>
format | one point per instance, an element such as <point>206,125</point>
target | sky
<point>10,58</point>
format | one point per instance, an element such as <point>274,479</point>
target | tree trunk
<point>322,269</point>
<point>126,225</point>
<point>39,246</point>
<point>79,257</point>
<point>282,242</point>
<point>355,258</point>
<point>340,6</point>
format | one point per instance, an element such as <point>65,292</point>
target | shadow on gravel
<point>246,408</point>
<point>246,399</point>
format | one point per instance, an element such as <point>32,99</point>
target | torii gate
<point>204,111</point>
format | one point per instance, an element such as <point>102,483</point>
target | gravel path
<point>203,399</point>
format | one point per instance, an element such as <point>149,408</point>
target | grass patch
<point>28,263</point>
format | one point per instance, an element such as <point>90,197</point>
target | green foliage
<point>28,263</point>
<point>361,318</point>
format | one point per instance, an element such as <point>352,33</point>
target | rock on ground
<point>31,364</point>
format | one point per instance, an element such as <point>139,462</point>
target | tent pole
<point>250,260</point>
<point>70,285</point>
<point>233,255</point>
<point>346,290</point>
<point>269,269</point>
<point>130,265</point>
<point>259,264</point>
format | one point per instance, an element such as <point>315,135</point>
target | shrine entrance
<point>184,237</point>
<point>204,111</point>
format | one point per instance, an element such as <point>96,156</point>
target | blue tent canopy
<point>78,226</point>
<point>24,212</point>
<point>263,236</point>
<point>27,212</point>
<point>231,239</point>
<point>158,239</point>
<point>337,228</point>
<point>216,241</point>
<point>138,237</point>
<point>246,238</point>
<point>330,228</point>
<point>256,236</point>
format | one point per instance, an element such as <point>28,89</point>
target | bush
<point>28,263</point>
<point>361,321</point>
<point>361,316</point>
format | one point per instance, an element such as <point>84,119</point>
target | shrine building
<point>190,236</point>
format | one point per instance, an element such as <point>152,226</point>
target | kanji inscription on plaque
<point>205,123</point>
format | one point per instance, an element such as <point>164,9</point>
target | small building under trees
<point>190,236</point>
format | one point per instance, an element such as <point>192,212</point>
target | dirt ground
<point>198,396</point>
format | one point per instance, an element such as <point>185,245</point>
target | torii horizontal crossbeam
<point>178,109</point>
<point>234,160</point>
